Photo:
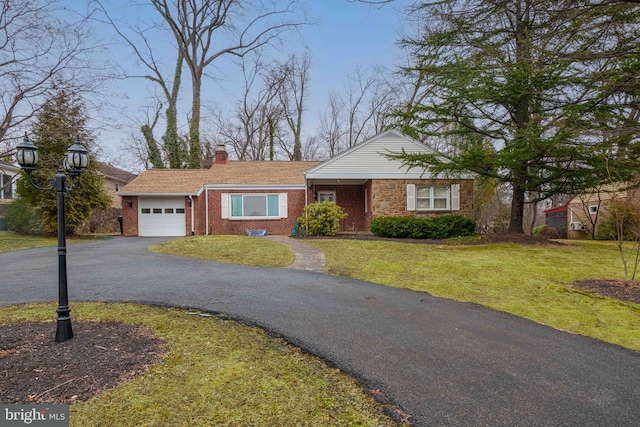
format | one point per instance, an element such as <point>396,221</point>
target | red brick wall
<point>351,198</point>
<point>199,215</point>
<point>218,225</point>
<point>129,216</point>
<point>389,197</point>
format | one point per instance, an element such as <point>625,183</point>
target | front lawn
<point>243,250</point>
<point>530,281</point>
<point>216,372</point>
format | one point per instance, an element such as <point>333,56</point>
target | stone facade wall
<point>389,197</point>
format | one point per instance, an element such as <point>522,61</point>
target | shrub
<point>539,229</point>
<point>441,227</point>
<point>621,224</point>
<point>23,219</point>
<point>321,219</point>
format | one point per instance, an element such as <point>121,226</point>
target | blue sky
<point>346,35</point>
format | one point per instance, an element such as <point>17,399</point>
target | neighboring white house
<point>7,188</point>
<point>8,180</point>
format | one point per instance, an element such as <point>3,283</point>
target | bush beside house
<point>442,227</point>
<point>321,219</point>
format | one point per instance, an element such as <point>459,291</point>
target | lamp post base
<point>64,331</point>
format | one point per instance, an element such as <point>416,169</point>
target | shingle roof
<point>115,173</point>
<point>166,181</point>
<point>259,172</point>
<point>190,181</point>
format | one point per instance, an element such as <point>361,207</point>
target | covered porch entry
<point>352,195</point>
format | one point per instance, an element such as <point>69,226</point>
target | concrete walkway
<point>442,362</point>
<point>307,257</point>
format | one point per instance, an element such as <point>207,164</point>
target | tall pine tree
<point>539,94</point>
<point>61,119</point>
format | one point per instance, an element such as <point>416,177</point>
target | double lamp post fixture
<point>75,161</point>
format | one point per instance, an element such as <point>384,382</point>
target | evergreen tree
<point>61,119</point>
<point>539,94</point>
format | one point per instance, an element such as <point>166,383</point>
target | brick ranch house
<point>235,196</point>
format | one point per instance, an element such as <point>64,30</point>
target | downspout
<point>192,215</point>
<point>206,210</point>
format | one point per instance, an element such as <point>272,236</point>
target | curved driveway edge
<point>441,361</point>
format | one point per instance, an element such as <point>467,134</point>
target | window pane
<point>273,202</point>
<point>180,210</point>
<point>145,211</point>
<point>423,191</point>
<point>422,204</point>
<point>157,210</point>
<point>255,205</point>
<point>168,210</point>
<point>440,204</point>
<point>440,192</point>
<point>236,205</point>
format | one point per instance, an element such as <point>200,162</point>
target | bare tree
<point>256,123</point>
<point>295,78</point>
<point>38,53</point>
<point>332,124</point>
<point>205,30</point>
<point>139,38</point>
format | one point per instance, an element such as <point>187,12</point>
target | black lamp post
<point>75,161</point>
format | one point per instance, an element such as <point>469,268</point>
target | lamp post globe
<point>76,159</point>
<point>27,155</point>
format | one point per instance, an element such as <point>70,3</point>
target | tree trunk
<point>195,150</point>
<point>517,210</point>
<point>171,140</point>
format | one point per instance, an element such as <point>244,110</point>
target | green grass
<point>10,241</point>
<point>534,282</point>
<point>243,250</point>
<point>216,373</point>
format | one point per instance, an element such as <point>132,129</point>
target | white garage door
<point>162,216</point>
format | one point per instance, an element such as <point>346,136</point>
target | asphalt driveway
<point>443,362</point>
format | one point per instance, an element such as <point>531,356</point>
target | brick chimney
<point>220,155</point>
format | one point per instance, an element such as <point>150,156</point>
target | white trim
<point>121,194</point>
<point>414,174</point>
<point>283,210</point>
<point>246,187</point>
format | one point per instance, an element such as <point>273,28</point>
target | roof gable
<point>368,160</point>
